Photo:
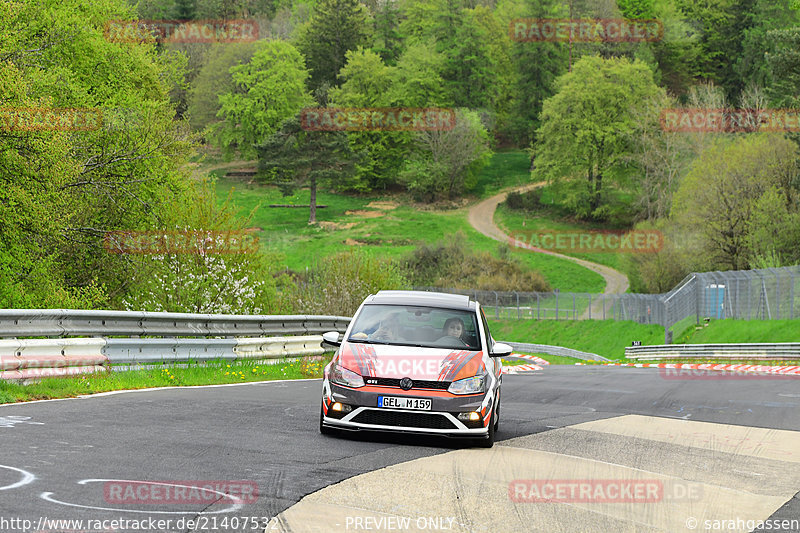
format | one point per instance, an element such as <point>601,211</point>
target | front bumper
<point>440,420</point>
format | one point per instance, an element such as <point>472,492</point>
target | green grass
<point>212,373</point>
<point>608,338</point>
<point>392,234</point>
<point>507,169</point>
<point>736,331</point>
<point>517,221</point>
<point>552,359</point>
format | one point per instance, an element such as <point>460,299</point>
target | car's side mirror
<point>332,337</point>
<point>501,350</point>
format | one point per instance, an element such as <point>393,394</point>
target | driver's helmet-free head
<point>453,327</point>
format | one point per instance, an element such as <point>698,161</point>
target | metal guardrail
<point>126,339</point>
<point>71,323</point>
<point>555,350</point>
<point>766,351</point>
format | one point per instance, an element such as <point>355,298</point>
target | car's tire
<point>325,430</point>
<point>488,442</point>
<point>497,413</point>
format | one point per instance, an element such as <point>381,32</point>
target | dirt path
<point>199,172</point>
<point>481,217</point>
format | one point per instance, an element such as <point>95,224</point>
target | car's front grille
<point>418,383</point>
<point>391,418</point>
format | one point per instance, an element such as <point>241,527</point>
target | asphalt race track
<point>722,454</point>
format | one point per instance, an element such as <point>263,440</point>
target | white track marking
<point>27,477</point>
<point>47,496</point>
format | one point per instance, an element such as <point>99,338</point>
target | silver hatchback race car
<point>417,362</point>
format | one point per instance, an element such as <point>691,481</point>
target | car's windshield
<point>416,326</point>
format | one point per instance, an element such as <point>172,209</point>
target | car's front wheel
<point>493,425</point>
<point>325,430</point>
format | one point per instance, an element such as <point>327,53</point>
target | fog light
<point>341,407</point>
<point>470,417</point>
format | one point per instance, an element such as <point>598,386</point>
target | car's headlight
<point>348,378</point>
<point>471,385</point>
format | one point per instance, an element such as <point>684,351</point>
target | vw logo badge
<point>406,383</point>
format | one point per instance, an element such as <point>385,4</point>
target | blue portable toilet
<point>715,301</point>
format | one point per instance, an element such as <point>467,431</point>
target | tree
<point>192,278</point>
<point>660,156</point>
<point>587,126</point>
<point>447,163</point>
<point>268,90</point>
<point>417,79</point>
<point>336,27</point>
<point>61,192</point>
<point>293,157</point>
<point>499,46</point>
<point>366,82</point>
<point>677,52</point>
<point>767,16</point>
<point>719,195</point>
<point>725,24</point>
<point>784,67</point>
<point>468,69</point>
<point>388,41</point>
<point>537,64</point>
<point>214,79</point>
<point>773,230</point>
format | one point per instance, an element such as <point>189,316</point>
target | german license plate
<point>396,402</point>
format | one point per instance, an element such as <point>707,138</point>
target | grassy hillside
<point>609,338</point>
<point>731,330</point>
<point>602,337</point>
<point>382,226</point>
<point>514,221</point>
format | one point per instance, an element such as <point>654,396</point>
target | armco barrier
<point>32,358</point>
<point>274,347</point>
<point>24,359</point>
<point>766,351</point>
<point>124,339</point>
<point>137,351</point>
<point>555,350</point>
<point>73,323</point>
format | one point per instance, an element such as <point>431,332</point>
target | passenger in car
<point>453,327</point>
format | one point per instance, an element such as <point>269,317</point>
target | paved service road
<point>639,451</point>
<point>481,217</point>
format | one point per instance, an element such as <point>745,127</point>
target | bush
<point>451,264</point>
<point>528,201</point>
<point>202,282</point>
<point>339,284</point>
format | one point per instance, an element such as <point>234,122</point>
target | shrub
<point>338,285</point>
<point>528,201</point>
<point>451,264</point>
<point>201,282</point>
